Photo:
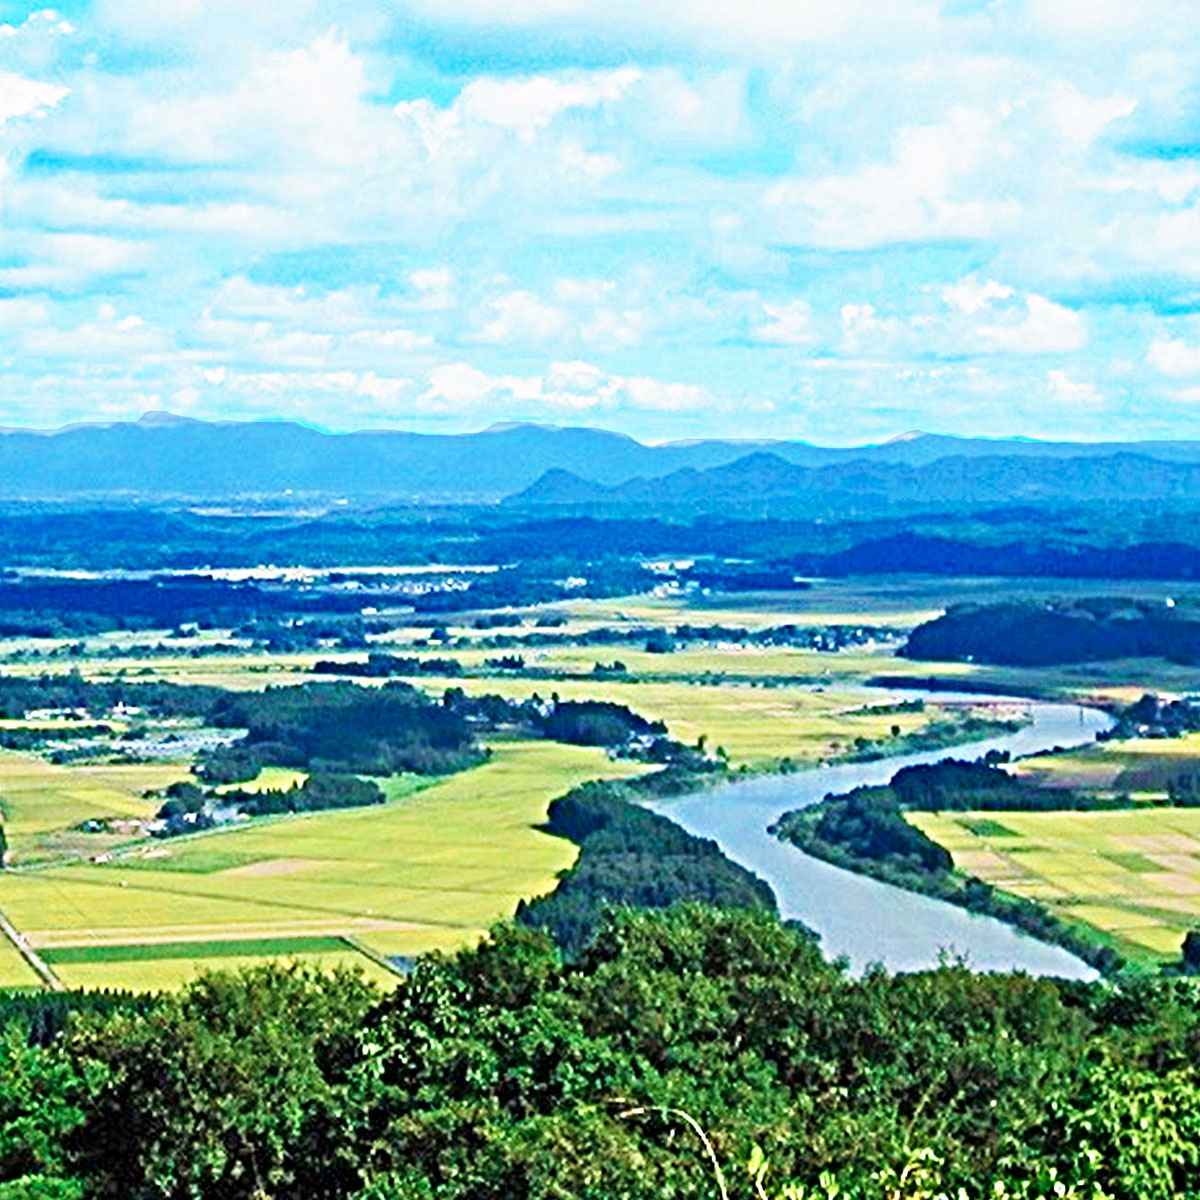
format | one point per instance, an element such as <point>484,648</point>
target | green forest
<point>513,1072</point>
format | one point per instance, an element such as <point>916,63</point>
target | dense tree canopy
<point>511,1073</point>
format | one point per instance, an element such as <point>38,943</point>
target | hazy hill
<point>767,482</point>
<point>164,457</point>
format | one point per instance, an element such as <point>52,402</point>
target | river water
<point>861,918</point>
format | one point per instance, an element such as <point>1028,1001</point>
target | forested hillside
<point>510,1073</point>
<point>1059,631</point>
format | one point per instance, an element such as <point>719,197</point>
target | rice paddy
<point>1141,766</point>
<point>755,725</point>
<point>42,803</point>
<point>1132,874</point>
<point>432,869</point>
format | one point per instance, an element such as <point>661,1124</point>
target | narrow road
<point>27,952</point>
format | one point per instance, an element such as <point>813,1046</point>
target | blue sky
<point>835,220</point>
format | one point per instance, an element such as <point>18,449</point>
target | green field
<point>1132,874</point>
<point>58,956</point>
<point>429,871</point>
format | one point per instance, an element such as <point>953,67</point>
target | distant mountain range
<point>163,458</point>
<point>766,483</point>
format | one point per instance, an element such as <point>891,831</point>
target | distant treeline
<point>865,830</point>
<point>20,695</point>
<point>1151,716</point>
<point>1113,540</point>
<point>316,794</point>
<point>1045,633</point>
<point>348,729</point>
<point>383,666</point>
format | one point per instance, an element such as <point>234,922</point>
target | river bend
<point>859,917</point>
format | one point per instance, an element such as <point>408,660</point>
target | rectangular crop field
<point>41,801</point>
<point>164,974</point>
<point>1133,874</point>
<point>430,870</point>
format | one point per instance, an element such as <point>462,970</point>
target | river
<point>861,918</point>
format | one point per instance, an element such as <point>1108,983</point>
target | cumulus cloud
<point>1072,392</point>
<point>338,212</point>
<point>970,296</point>
<point>21,97</point>
<point>520,317</point>
<point>565,386</point>
<point>108,335</point>
<point>527,106</point>
<point>789,324</point>
<point>1044,328</point>
<point>913,195</point>
<point>1173,356</point>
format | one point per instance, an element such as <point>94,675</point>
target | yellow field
<point>755,725</point>
<point>14,970</point>
<point>427,872</point>
<point>1134,874</point>
<point>171,973</point>
<point>41,801</point>
<point>1139,765</point>
<point>269,779</point>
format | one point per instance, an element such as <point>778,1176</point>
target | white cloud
<point>340,308</point>
<point>790,324</point>
<point>914,196</point>
<point>1071,392</point>
<point>863,329</point>
<point>572,386</point>
<point>391,339</point>
<point>435,286</point>
<point>970,296</point>
<point>1045,327</point>
<point>521,317</point>
<point>647,393</point>
<point>527,106</point>
<point>21,97</point>
<point>17,311</point>
<point>1173,356</point>
<point>1081,119</point>
<point>45,20</point>
<point>109,335</point>
<point>273,384</point>
<point>69,261</point>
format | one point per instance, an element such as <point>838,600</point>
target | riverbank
<point>801,829</point>
<point>862,918</point>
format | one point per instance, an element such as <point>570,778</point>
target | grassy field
<point>429,871</point>
<point>15,972</point>
<point>1133,874</point>
<point>1141,766</point>
<point>692,661</point>
<point>755,725</point>
<point>165,974</point>
<point>41,802</point>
